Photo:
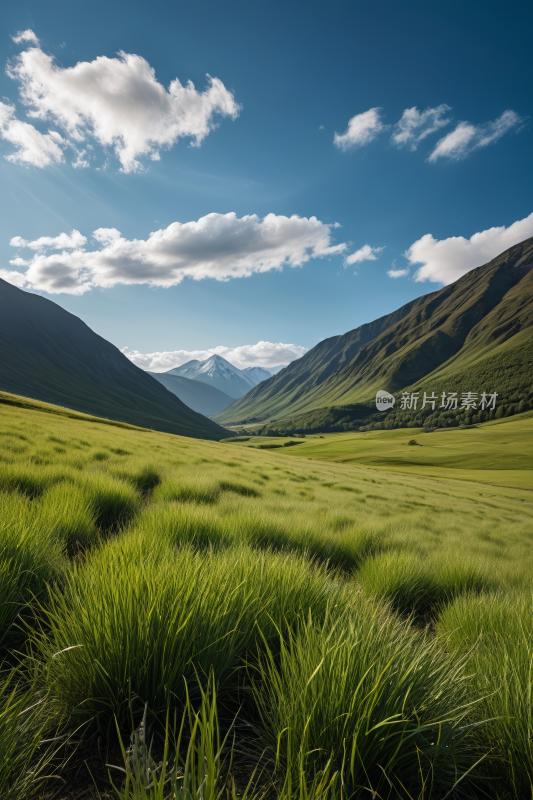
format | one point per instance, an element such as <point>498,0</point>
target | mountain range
<point>51,355</point>
<point>222,375</point>
<point>473,335</point>
<point>443,338</point>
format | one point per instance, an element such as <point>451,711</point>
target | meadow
<point>349,617</point>
<point>499,453</point>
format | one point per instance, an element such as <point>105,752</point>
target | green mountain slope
<point>51,355</point>
<point>431,338</point>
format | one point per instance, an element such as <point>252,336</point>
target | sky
<point>248,179</point>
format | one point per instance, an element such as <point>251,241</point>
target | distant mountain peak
<point>258,374</point>
<point>220,373</point>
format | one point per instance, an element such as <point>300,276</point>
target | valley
<point>266,401</point>
<point>319,575</point>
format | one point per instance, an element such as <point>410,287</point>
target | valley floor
<point>499,453</point>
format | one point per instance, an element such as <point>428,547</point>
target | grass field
<point>345,616</point>
<point>499,453</point>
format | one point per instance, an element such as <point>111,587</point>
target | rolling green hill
<point>484,318</point>
<point>51,355</point>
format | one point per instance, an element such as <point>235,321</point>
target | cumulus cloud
<point>361,130</point>
<point>415,125</point>
<point>16,278</point>
<point>33,147</point>
<point>466,138</point>
<point>117,101</point>
<point>25,36</point>
<point>219,246</point>
<point>65,241</point>
<point>447,260</point>
<point>365,253</point>
<point>262,354</point>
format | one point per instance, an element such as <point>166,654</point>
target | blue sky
<point>287,77</point>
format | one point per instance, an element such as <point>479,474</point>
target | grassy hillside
<point>438,336</point>
<point>51,355</point>
<point>507,370</point>
<point>278,583</point>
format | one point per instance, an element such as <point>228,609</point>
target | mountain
<point>197,395</point>
<point>436,338</point>
<point>257,374</point>
<point>275,370</point>
<point>51,355</point>
<point>217,372</point>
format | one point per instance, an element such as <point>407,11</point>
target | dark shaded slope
<point>443,330</point>
<point>51,355</point>
<point>197,395</point>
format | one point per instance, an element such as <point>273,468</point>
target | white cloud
<point>415,125</point>
<point>262,354</point>
<point>65,241</point>
<point>398,273</point>
<point>25,36</point>
<point>361,130</point>
<point>447,260</point>
<point>16,278</point>
<point>219,246</point>
<point>34,148</point>
<point>119,102</point>
<point>81,162</point>
<point>365,253</point>
<point>466,138</point>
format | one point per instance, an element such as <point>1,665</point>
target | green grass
<point>360,694</point>
<point>31,558</point>
<point>141,616</point>
<point>498,452</point>
<point>498,630</point>
<point>136,564</point>
<point>24,758</point>
<point>418,585</point>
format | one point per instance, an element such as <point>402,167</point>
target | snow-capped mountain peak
<point>222,375</point>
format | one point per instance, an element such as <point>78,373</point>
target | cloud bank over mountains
<point>116,102</point>
<point>223,246</point>
<point>449,259</point>
<point>219,246</point>
<point>262,354</point>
